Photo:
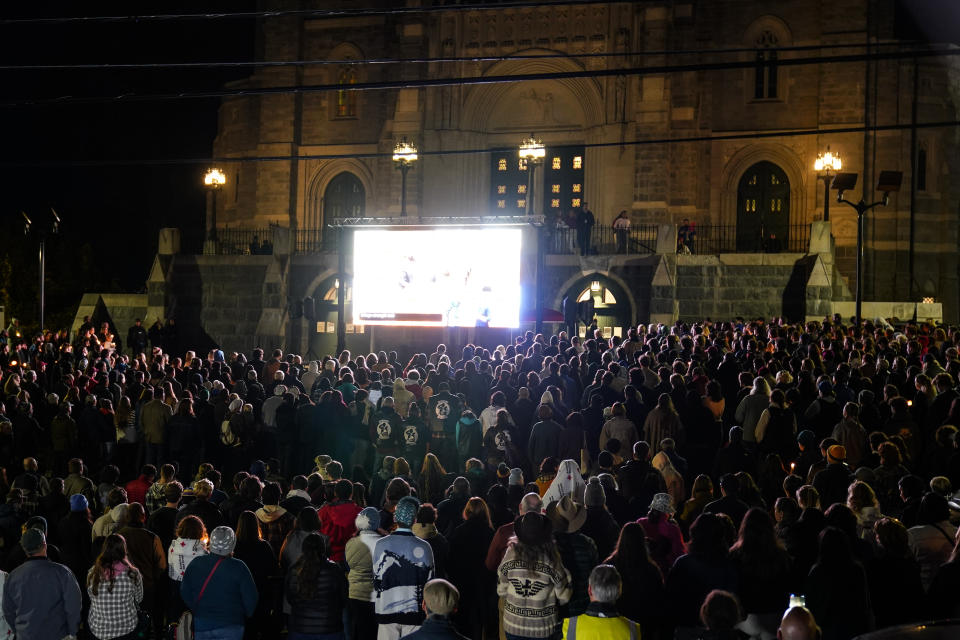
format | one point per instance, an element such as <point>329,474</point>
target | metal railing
<point>316,240</point>
<point>639,239</point>
<point>242,241</point>
<point>715,239</point>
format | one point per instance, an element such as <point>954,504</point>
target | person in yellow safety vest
<point>601,620</point>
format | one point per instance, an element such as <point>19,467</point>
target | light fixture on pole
<point>887,183</point>
<point>213,179</point>
<point>825,165</point>
<point>404,155</point>
<point>532,153</point>
<point>42,231</point>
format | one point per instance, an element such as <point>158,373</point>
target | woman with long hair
<point>183,435</point>
<point>433,479</point>
<point>190,542</point>
<point>316,589</point>
<point>763,569</point>
<point>115,588</point>
<point>258,555</point>
<point>532,558</point>
<point>467,571</point>
<point>863,502</point>
<point>642,592</point>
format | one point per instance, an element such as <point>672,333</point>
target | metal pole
<point>826,197</point>
<point>860,211</point>
<point>530,168</point>
<point>210,234</point>
<point>540,268</point>
<point>43,269</point>
<point>403,189</point>
<point>341,292</point>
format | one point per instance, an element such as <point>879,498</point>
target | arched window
<point>765,71</point>
<point>346,99</point>
<point>344,197</point>
<point>763,209</point>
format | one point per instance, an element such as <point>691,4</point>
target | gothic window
<point>765,69</point>
<point>346,100</point>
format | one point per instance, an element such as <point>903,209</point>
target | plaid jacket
<point>113,610</point>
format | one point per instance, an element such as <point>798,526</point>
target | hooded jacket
<point>402,398</point>
<point>337,522</point>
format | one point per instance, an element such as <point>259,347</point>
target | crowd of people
<point>693,481</point>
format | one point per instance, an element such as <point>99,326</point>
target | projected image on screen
<point>463,277</point>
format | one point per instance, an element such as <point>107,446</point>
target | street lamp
<point>532,152</point>
<point>404,155</point>
<point>213,179</point>
<point>42,232</point>
<point>887,183</point>
<point>825,165</point>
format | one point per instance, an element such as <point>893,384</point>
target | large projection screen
<point>438,277</point>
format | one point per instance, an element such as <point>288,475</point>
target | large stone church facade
<point>721,108</point>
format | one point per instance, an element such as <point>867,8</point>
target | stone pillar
<point>667,239</point>
<point>169,241</point>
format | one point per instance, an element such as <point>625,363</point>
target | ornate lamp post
<point>825,165</point>
<point>213,179</point>
<point>404,155</point>
<point>532,151</point>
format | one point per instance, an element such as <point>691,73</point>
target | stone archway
<point>619,308</point>
<point>780,155</point>
<point>313,213</point>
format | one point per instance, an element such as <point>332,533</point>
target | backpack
<point>227,437</point>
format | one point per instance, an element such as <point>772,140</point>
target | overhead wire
<point>22,163</point>
<point>113,66</point>
<point>476,80</point>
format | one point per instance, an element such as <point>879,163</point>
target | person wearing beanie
<point>440,600</point>
<point>833,481</point>
<point>402,565</point>
<point>358,554</point>
<point>41,599</point>
<point>219,590</point>
<point>809,453</point>
<point>600,526</point>
<point>75,535</point>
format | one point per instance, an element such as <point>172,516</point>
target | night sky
<point>111,212</point>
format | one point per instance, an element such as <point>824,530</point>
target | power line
<point>304,13</point>
<point>453,59</point>
<point>476,80</point>
<point>760,135</point>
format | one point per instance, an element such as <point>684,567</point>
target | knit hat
<point>78,502</point>
<point>663,503</point>
<point>222,541</point>
<point>566,515</point>
<point>32,541</point>
<point>825,387</point>
<point>807,438</point>
<point>441,597</point>
<point>406,511</point>
<point>516,477</point>
<point>368,519</point>
<point>533,529</point>
<point>836,453</point>
<point>594,496</point>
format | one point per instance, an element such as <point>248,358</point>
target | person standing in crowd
<point>115,588</point>
<point>440,602</point>
<point>317,592</point>
<point>219,590</point>
<point>402,565</point>
<point>601,620</point>
<point>358,554</point>
<point>41,599</point>
<point>532,580</point>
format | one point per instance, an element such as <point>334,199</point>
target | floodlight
<point>844,181</point>
<point>889,181</point>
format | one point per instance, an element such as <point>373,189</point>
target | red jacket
<point>337,522</point>
<point>137,490</point>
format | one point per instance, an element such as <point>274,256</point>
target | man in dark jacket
<point>440,600</point>
<point>730,503</point>
<point>41,599</point>
<point>833,481</point>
